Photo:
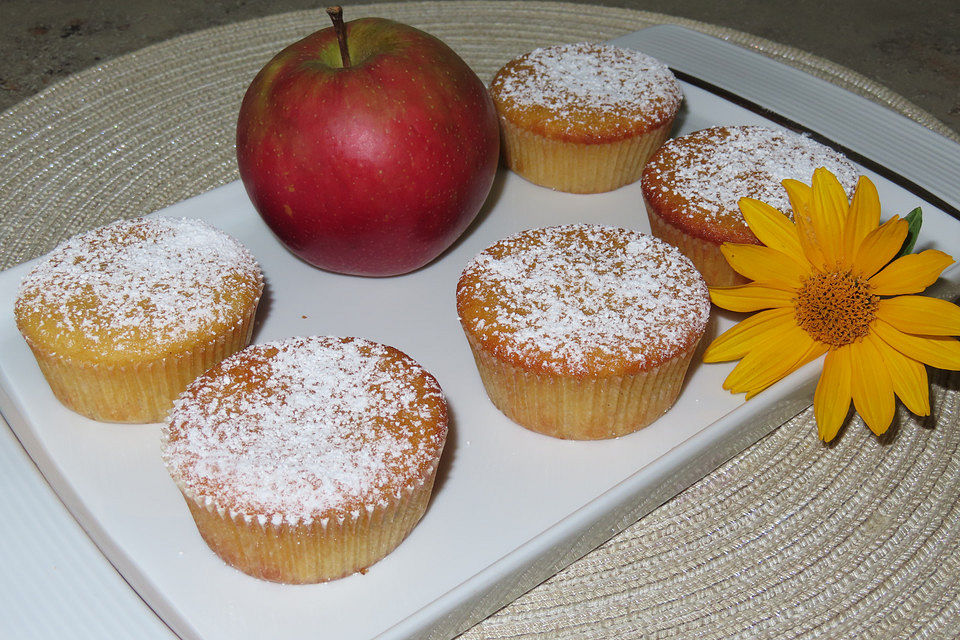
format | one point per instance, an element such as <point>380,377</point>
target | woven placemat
<point>790,539</point>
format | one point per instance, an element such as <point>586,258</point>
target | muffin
<point>582,331</point>
<point>122,318</point>
<point>583,118</point>
<point>692,186</point>
<point>307,459</point>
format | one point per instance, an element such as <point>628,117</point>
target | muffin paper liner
<point>302,552</point>
<point>581,408</point>
<point>705,255</point>
<point>137,392</point>
<point>577,167</point>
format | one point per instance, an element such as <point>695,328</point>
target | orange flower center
<point>835,307</point>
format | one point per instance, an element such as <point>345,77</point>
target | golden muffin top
<point>583,300</point>
<point>303,429</point>
<point>135,288</point>
<point>695,181</point>
<point>586,92</point>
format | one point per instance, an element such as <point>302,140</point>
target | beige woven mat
<point>791,539</point>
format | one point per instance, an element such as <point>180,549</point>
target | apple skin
<point>374,169</point>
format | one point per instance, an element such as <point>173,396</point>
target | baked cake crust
<point>692,186</point>
<point>586,93</point>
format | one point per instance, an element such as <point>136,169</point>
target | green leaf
<point>914,221</point>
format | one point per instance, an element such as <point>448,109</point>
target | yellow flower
<point>824,283</point>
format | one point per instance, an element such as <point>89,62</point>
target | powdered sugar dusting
<point>148,279</point>
<point>575,296</point>
<point>707,172</point>
<point>306,428</point>
<point>573,80</point>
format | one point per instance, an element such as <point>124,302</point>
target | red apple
<point>372,165</point>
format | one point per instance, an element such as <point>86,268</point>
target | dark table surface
<point>912,48</point>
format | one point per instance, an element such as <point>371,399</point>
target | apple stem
<point>336,15</point>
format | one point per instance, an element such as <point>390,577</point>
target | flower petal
<point>800,194</point>
<point>828,213</point>
<point>911,273</point>
<point>864,215</point>
<point>750,297</point>
<point>788,348</point>
<point>814,350</point>
<point>880,246</point>
<point>831,401</point>
<point>908,376</point>
<point>921,314</point>
<point>801,199</point>
<point>942,352</point>
<point>870,386</point>
<point>764,265</point>
<point>772,228</point>
<point>739,340</point>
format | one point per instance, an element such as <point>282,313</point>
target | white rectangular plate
<point>510,506</point>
